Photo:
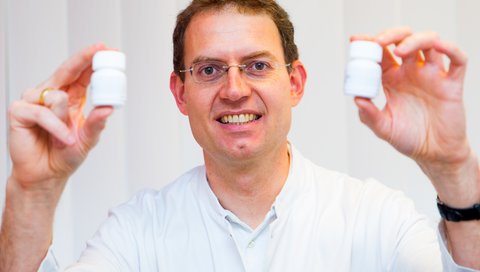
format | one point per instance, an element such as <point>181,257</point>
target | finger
<point>26,115</point>
<point>95,124</point>
<point>81,85</point>
<point>33,96</point>
<point>84,78</point>
<point>373,118</point>
<point>432,56</point>
<point>55,100</point>
<point>458,59</point>
<point>78,97</point>
<point>71,69</point>
<point>388,60</point>
<point>393,36</point>
<point>390,37</point>
<point>361,37</point>
<point>411,48</point>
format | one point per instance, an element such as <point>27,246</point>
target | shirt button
<point>251,244</point>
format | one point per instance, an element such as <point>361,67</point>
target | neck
<point>248,189</point>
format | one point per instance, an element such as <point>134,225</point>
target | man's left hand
<point>424,115</point>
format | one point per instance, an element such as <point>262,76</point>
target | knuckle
<point>405,29</point>
<point>66,71</point>
<point>40,113</point>
<point>62,96</point>
<point>26,93</point>
<point>58,97</point>
<point>14,108</point>
<point>37,113</point>
<point>432,35</point>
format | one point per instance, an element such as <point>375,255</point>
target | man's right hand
<point>48,142</point>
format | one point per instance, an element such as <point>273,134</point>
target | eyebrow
<point>259,54</point>
<point>253,55</point>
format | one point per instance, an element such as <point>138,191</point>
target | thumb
<point>372,117</point>
<point>95,124</point>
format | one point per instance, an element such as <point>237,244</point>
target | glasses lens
<point>207,71</point>
<point>212,71</point>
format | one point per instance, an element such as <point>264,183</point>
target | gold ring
<point>45,91</point>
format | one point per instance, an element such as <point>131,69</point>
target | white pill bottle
<point>108,84</point>
<point>363,74</point>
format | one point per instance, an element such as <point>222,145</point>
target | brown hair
<point>270,7</point>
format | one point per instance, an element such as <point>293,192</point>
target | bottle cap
<point>366,50</point>
<point>108,59</point>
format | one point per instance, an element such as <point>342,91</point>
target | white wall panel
<point>3,101</point>
<point>467,34</point>
<point>101,182</point>
<point>156,127</point>
<point>318,126</point>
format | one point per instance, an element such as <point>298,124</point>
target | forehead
<point>229,35</point>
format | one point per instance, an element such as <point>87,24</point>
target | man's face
<point>234,38</point>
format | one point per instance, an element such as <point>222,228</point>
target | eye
<point>258,68</point>
<point>208,71</point>
<point>259,65</point>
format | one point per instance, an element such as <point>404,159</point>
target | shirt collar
<point>292,189</point>
<point>207,196</point>
<point>289,194</point>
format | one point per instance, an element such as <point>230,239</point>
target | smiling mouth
<point>238,119</point>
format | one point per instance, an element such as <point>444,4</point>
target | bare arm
<point>47,144</point>
<point>424,118</point>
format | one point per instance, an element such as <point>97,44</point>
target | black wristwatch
<point>457,215</point>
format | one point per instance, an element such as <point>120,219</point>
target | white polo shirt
<point>321,221</point>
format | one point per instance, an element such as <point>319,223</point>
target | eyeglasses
<point>209,72</point>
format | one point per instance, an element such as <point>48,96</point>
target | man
<point>257,204</point>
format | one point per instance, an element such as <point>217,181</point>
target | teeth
<point>238,119</point>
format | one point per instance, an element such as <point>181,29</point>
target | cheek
<point>196,99</point>
<point>281,95</point>
<point>199,106</point>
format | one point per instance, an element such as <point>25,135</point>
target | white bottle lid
<point>108,59</point>
<point>366,50</point>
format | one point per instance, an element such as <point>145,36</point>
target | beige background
<point>148,143</point>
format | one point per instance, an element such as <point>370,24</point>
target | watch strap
<point>457,215</point>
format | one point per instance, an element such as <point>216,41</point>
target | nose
<point>235,87</point>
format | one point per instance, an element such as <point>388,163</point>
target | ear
<point>298,77</point>
<point>177,87</point>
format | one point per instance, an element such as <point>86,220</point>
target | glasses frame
<point>226,67</point>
